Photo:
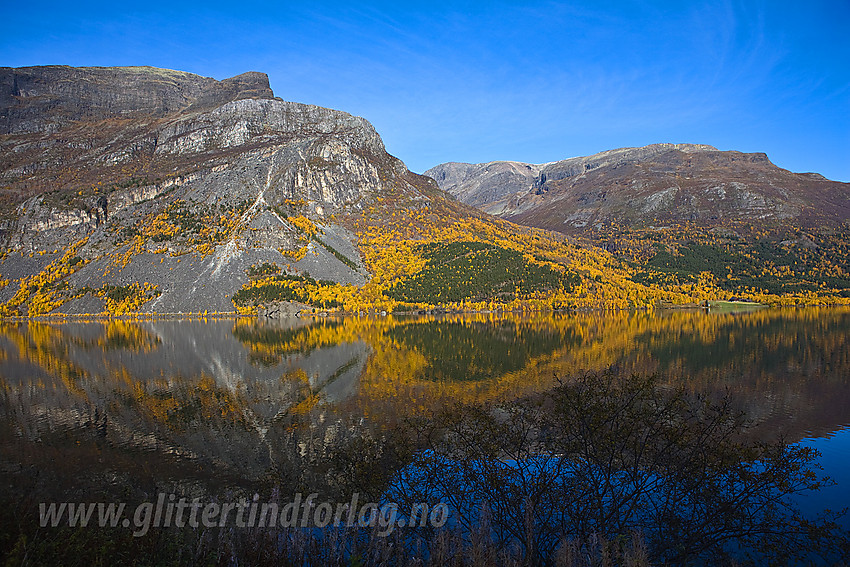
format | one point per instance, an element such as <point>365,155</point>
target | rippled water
<point>90,408</point>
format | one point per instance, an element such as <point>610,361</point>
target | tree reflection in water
<point>121,410</point>
<point>610,456</point>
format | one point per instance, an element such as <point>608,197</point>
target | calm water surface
<point>93,409</point>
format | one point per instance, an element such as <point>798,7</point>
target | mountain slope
<point>147,192</point>
<point>655,185</point>
<point>133,186</point>
<point>684,214</point>
<point>195,195</point>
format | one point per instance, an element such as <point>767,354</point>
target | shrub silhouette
<point>603,456</point>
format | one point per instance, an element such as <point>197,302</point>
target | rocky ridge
<point>652,185</point>
<point>46,99</point>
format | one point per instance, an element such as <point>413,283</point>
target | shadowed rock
<point>45,99</point>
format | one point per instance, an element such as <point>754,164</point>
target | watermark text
<point>169,510</point>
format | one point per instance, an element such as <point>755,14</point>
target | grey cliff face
<point>482,185</point>
<point>94,153</point>
<point>182,123</point>
<point>240,122</point>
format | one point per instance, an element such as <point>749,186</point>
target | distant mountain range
<point>655,185</point>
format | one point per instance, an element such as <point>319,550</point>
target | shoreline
<point>715,306</point>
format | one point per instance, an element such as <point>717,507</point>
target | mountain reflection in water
<point>204,405</point>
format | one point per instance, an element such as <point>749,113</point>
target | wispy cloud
<point>470,80</point>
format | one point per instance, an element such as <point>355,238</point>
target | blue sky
<point>481,81</point>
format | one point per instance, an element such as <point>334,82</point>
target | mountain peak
<point>48,98</point>
<point>172,186</point>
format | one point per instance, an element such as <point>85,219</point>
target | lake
<point>95,411</point>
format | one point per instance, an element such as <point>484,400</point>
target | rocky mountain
<point>114,181</point>
<point>656,185</point>
<point>146,191</point>
<point>78,128</point>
